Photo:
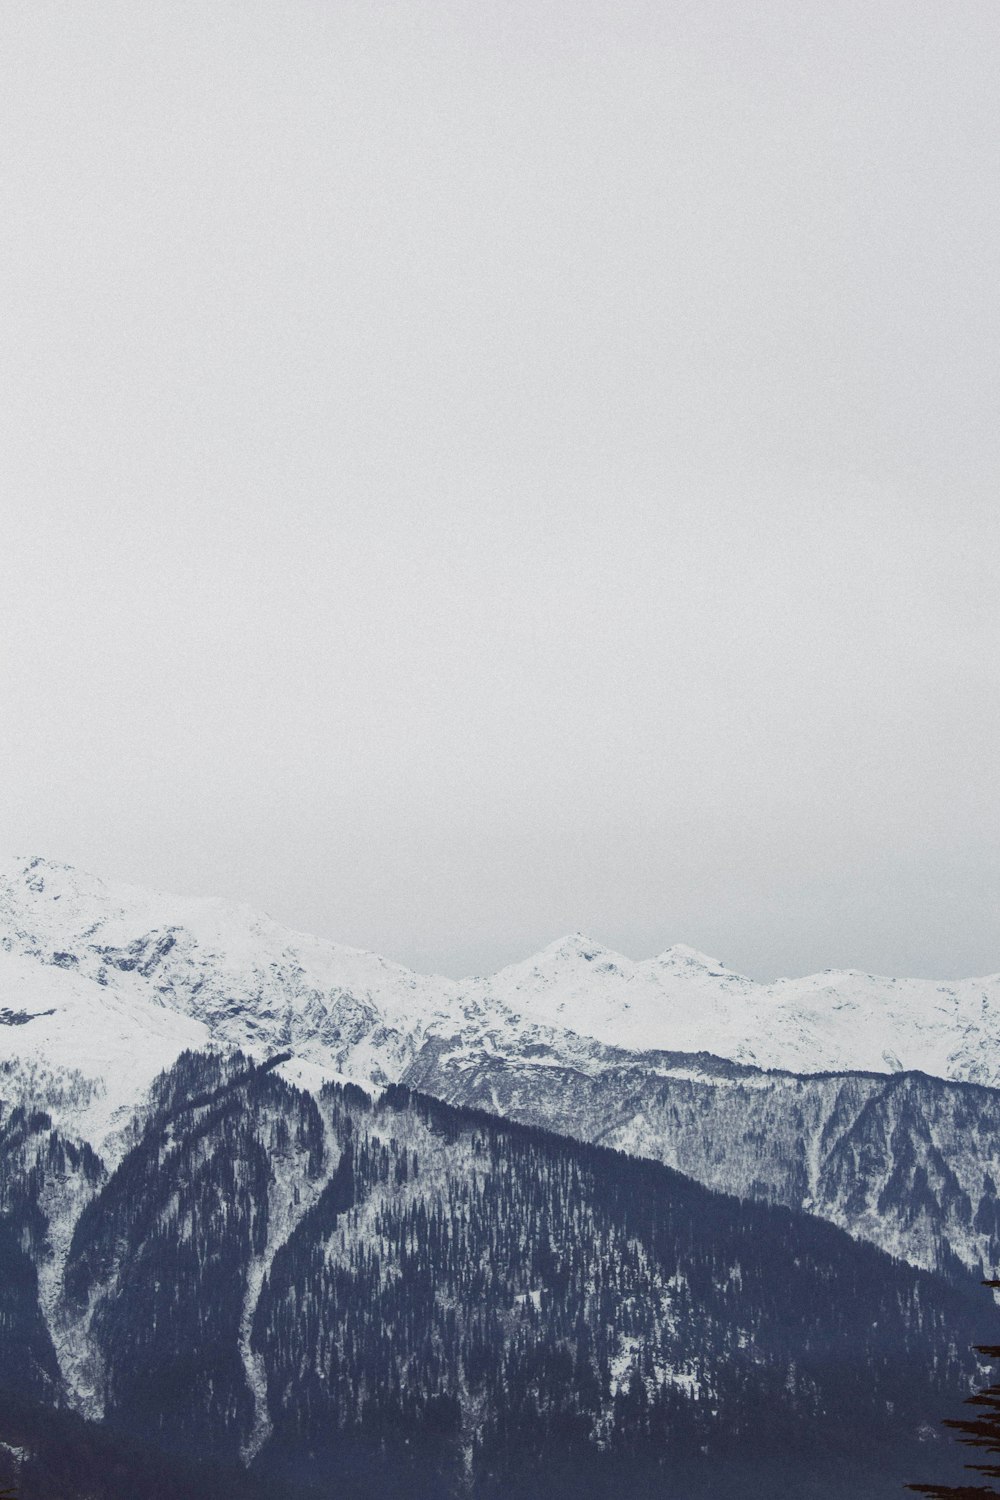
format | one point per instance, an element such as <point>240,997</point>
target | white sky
<point>474,471</point>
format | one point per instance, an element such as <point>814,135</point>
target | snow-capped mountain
<point>684,1001</point>
<point>221,963</point>
<point>105,984</point>
<point>102,986</point>
<point>256,984</point>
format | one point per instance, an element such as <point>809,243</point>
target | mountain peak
<point>575,945</point>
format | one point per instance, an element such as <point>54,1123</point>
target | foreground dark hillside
<point>403,1298</point>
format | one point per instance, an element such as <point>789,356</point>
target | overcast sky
<point>474,471</point>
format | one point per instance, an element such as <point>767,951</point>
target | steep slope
<point>86,1050</point>
<point>907,1162</point>
<point>103,985</point>
<point>460,1305</point>
<point>247,980</point>
<point>45,1180</point>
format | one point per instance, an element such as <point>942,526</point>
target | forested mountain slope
<point>907,1162</point>
<point>401,1297</point>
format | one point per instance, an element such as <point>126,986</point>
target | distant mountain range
<point>235,976</point>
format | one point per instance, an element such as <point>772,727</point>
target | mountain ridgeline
<point>399,1297</point>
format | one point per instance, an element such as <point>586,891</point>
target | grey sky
<point>474,471</point>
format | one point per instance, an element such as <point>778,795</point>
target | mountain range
<point>141,1036</point>
<point>235,976</point>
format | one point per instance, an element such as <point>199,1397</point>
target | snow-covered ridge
<point>131,977</point>
<point>685,1001</point>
